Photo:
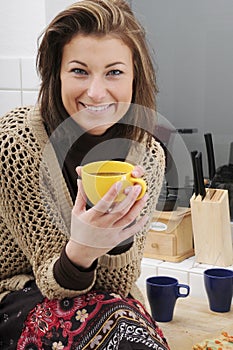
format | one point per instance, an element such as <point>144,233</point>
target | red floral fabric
<point>96,320</point>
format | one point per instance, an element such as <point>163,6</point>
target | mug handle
<point>183,295</point>
<point>142,183</point>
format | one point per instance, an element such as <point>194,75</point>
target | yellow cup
<point>98,177</point>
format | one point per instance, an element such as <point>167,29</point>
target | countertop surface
<point>193,322</point>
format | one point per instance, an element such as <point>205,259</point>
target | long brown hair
<point>98,17</point>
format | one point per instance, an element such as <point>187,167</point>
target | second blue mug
<point>219,288</point>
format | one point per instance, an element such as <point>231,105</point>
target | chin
<point>98,130</point>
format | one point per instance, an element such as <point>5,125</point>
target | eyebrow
<point>108,65</point>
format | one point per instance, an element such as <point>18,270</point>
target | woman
<point>56,292</point>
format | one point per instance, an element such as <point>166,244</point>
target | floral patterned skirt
<point>95,320</point>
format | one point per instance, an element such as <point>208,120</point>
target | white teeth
<point>97,108</point>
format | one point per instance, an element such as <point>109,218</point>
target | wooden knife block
<point>212,228</point>
<point>175,243</point>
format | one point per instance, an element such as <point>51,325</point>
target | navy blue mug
<point>219,288</point>
<point>162,293</point>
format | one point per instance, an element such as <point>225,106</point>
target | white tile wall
<point>30,78</point>
<point>29,97</point>
<point>10,73</point>
<point>19,83</point>
<point>8,100</point>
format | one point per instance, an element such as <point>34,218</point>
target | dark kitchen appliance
<point>222,177</point>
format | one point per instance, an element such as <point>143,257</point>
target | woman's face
<point>96,81</point>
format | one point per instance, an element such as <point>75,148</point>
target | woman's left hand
<point>97,230</point>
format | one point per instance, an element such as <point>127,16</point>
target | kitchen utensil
<point>195,181</point>
<point>210,155</point>
<point>200,178</point>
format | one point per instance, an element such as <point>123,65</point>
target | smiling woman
<point>96,102</point>
<point>96,76</point>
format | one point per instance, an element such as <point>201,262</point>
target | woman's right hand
<point>96,231</point>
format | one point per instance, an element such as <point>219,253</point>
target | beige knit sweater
<point>35,211</point>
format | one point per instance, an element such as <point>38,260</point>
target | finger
<point>126,204</point>
<point>108,199</point>
<point>138,171</point>
<point>79,170</point>
<point>134,229</point>
<point>81,200</point>
<point>132,214</point>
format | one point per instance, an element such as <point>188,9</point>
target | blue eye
<point>115,72</point>
<point>79,71</point>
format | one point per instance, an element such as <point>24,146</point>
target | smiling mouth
<point>98,108</point>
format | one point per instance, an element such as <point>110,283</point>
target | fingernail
<point>118,186</point>
<point>127,190</point>
<point>137,189</point>
<point>135,173</point>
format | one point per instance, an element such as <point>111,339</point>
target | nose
<point>96,89</point>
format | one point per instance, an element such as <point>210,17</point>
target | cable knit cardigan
<point>35,211</point>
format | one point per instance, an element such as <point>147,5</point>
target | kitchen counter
<point>193,322</point>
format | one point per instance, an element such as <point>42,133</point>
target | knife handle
<point>210,155</point>
<point>195,181</point>
<point>200,177</point>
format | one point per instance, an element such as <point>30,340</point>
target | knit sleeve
<point>119,272</point>
<point>30,208</point>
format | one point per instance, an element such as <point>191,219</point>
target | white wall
<point>53,7</point>
<point>21,23</point>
